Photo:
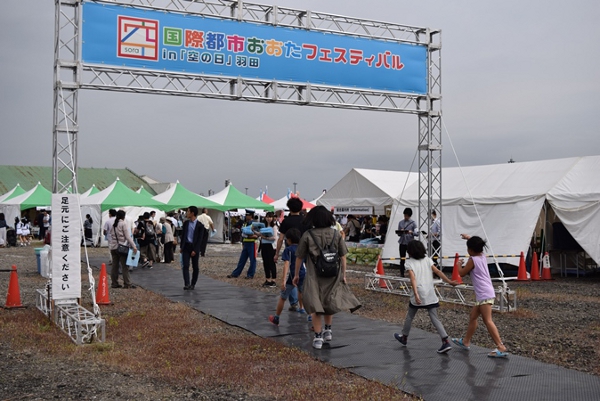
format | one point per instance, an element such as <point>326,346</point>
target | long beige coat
<point>325,295</point>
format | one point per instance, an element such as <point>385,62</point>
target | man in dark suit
<point>191,237</point>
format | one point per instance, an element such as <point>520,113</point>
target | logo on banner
<point>138,38</point>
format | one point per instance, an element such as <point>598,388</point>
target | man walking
<point>191,238</point>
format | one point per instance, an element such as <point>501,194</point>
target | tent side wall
<point>508,228</point>
<point>218,219</point>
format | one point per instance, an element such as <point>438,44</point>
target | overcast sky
<point>520,80</point>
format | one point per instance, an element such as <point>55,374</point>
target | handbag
<point>123,249</point>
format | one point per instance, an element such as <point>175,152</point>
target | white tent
<point>509,199</point>
<point>363,187</point>
<point>576,202</point>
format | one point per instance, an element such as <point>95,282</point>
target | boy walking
<point>419,267</point>
<point>292,238</point>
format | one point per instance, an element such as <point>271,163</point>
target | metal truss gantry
<point>71,75</point>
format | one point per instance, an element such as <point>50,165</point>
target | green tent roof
<point>231,198</point>
<point>37,196</point>
<point>118,195</point>
<point>93,190</point>
<point>16,191</point>
<point>143,191</point>
<point>179,197</point>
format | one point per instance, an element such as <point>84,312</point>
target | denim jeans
<point>247,252</point>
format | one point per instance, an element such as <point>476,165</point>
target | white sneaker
<point>327,335</point>
<point>318,342</point>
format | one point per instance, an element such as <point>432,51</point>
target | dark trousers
<point>268,256</point>
<point>403,249</point>
<point>169,256</point>
<point>186,255</point>
<point>204,243</point>
<point>119,260</point>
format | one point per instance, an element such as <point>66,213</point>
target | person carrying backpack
<point>146,236</point>
<point>326,294</point>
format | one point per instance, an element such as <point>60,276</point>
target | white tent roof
<point>363,187</point>
<point>509,198</point>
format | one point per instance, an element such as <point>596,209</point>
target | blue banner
<point>124,36</point>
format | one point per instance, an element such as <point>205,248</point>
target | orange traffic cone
<point>535,267</point>
<point>522,274</point>
<point>380,272</point>
<point>546,270</point>
<point>455,273</point>
<point>102,297</point>
<point>13,298</point>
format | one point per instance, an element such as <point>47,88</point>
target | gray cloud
<point>520,80</point>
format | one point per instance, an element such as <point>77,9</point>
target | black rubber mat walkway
<point>367,347</point>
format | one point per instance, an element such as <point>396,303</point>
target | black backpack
<point>327,263</point>
<point>150,232</point>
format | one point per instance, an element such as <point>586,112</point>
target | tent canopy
<point>265,198</point>
<point>143,191</point>
<point>36,196</point>
<point>16,191</point>
<point>93,190</point>
<point>281,203</point>
<point>231,198</point>
<point>179,197</point>
<point>508,199</point>
<point>363,187</point>
<point>118,195</point>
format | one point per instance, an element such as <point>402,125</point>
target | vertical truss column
<point>66,88</point>
<point>430,141</point>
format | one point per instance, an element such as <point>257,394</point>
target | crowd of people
<point>299,239</point>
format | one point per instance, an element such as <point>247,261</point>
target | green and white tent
<point>118,195</point>
<point>179,197</point>
<point>231,198</point>
<point>144,191</point>
<point>36,196</point>
<point>16,191</point>
<point>93,190</point>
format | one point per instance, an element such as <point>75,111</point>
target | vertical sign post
<point>66,248</point>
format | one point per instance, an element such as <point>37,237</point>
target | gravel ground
<point>556,322</point>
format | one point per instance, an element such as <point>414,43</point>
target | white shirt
<point>424,276</point>
<point>108,227</point>
<point>205,220</point>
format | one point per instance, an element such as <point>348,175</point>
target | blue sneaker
<point>459,342</point>
<point>445,347</point>
<point>309,318</point>
<point>302,311</point>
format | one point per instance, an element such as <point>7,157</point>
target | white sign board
<point>66,247</point>
<point>359,210</point>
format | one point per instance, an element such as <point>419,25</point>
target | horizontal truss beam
<point>287,17</point>
<point>158,82</point>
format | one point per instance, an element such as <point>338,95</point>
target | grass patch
<point>175,344</point>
